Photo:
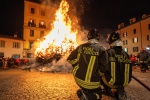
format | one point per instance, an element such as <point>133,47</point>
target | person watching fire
<point>119,72</point>
<point>143,57</point>
<point>89,61</point>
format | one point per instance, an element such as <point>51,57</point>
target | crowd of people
<point>142,59</point>
<point>11,62</point>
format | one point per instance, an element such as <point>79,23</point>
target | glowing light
<point>61,38</point>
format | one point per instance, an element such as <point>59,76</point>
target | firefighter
<point>89,61</point>
<point>143,57</point>
<point>119,71</point>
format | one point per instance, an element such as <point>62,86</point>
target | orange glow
<point>61,38</point>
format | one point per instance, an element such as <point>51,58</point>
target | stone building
<point>136,34</point>
<point>11,46</point>
<point>37,23</point>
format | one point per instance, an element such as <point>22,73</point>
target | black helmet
<point>93,34</point>
<point>113,37</point>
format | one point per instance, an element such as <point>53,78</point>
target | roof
<point>11,37</point>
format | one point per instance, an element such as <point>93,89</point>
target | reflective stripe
<point>126,74</point>
<point>75,69</point>
<point>78,56</point>
<point>72,61</point>
<point>90,69</point>
<point>75,60</point>
<point>113,77</point>
<point>88,85</point>
<point>109,85</point>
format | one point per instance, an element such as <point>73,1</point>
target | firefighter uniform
<point>89,60</point>
<point>119,71</point>
<point>143,57</point>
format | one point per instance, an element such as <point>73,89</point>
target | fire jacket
<point>119,71</point>
<point>143,56</point>
<point>88,61</point>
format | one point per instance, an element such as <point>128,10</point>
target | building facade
<point>37,23</point>
<point>136,35</point>
<point>11,47</point>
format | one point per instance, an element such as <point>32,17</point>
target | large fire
<point>61,39</point>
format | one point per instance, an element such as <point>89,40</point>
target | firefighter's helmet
<point>112,37</point>
<point>93,34</point>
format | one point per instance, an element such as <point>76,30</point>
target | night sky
<point>93,13</point>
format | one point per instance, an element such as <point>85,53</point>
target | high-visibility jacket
<point>88,61</point>
<point>119,71</point>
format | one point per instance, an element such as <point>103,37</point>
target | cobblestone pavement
<point>18,84</point>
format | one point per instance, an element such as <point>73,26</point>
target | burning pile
<point>60,41</point>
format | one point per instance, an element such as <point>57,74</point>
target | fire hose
<point>143,84</point>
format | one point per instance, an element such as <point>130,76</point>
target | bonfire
<point>60,41</point>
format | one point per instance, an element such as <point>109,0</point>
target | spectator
<point>17,62</point>
<point>133,59</point>
<point>143,57</point>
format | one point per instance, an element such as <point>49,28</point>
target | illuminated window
<point>16,45</point>
<point>15,55</point>
<point>125,34</point>
<point>135,49</point>
<point>31,23</point>
<point>32,11</point>
<point>42,25</point>
<point>2,43</point>
<point>31,33</point>
<point>125,42</point>
<point>126,49</point>
<point>135,40</point>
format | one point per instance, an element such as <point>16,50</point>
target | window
<point>16,56</point>
<point>149,26</point>
<point>1,54</point>
<point>29,55</point>
<point>135,40</point>
<point>148,37</point>
<point>31,23</point>
<point>42,25</point>
<point>134,31</point>
<point>30,44</point>
<point>135,49</point>
<point>125,34</point>
<point>43,13</point>
<point>31,33</point>
<point>2,43</point>
<point>126,49</point>
<point>41,33</point>
<point>125,42</point>
<point>32,11</point>
<point>16,45</point>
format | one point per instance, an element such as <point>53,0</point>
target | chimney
<point>15,35</point>
<point>132,20</point>
<point>144,16</point>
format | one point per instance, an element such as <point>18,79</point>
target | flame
<point>61,38</point>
